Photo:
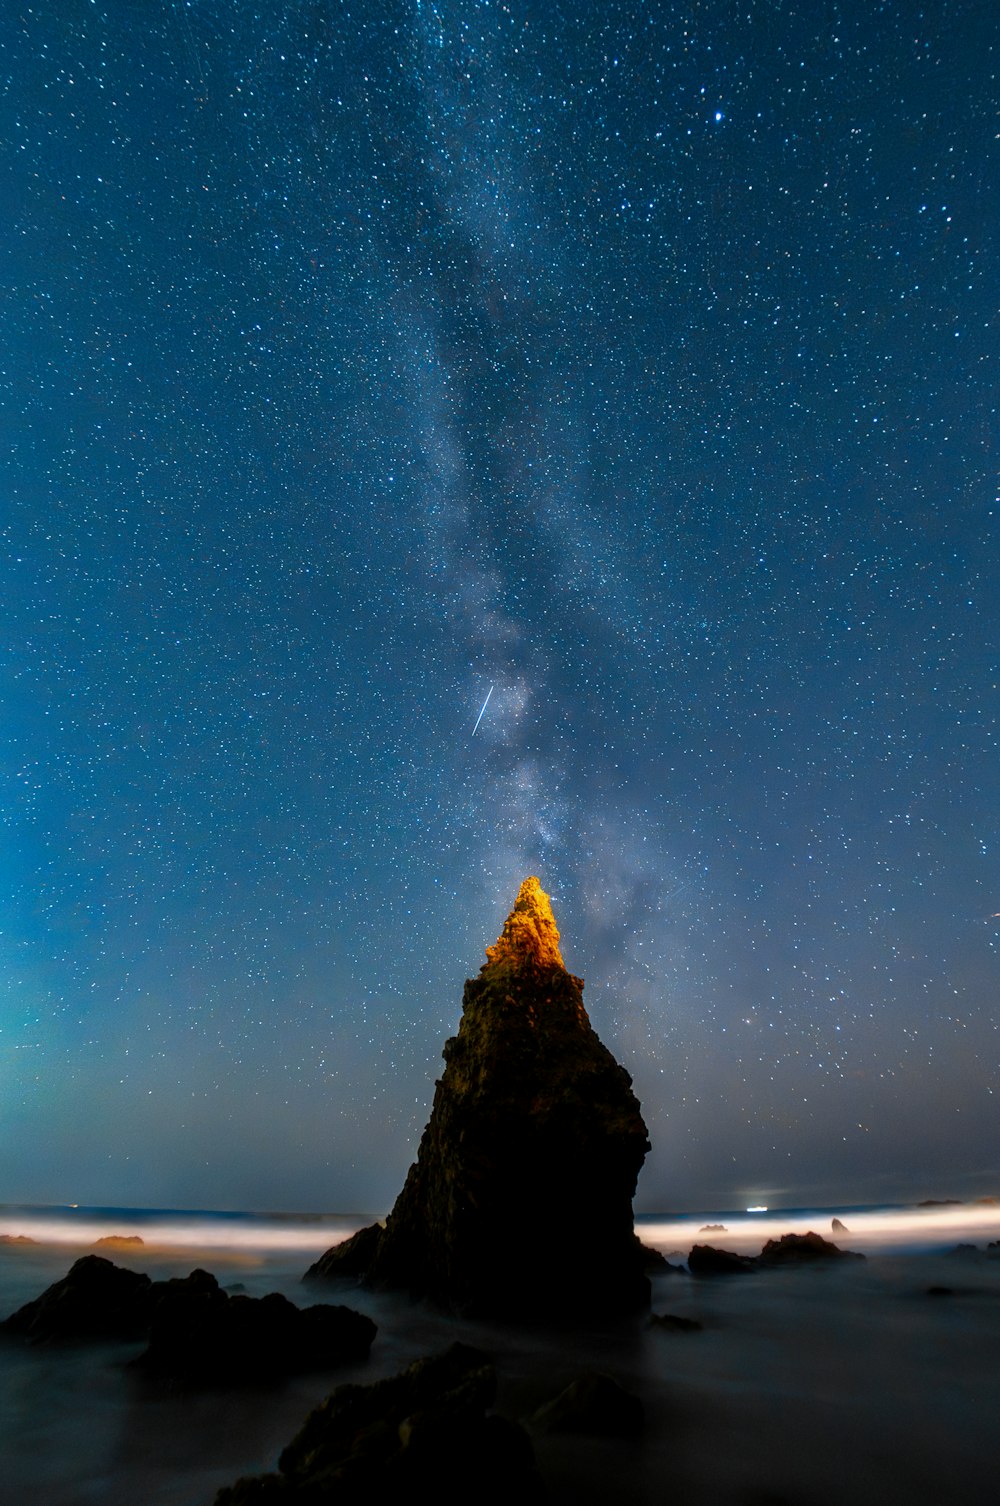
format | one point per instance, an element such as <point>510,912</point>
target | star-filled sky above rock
<point>634,362</point>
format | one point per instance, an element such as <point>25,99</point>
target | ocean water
<point>811,1385</point>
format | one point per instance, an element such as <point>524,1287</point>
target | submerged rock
<point>595,1404</point>
<point>674,1323</point>
<point>426,1434</point>
<point>520,1199</point>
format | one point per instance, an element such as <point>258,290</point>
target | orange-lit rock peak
<point>519,1203</point>
<point>529,934</point>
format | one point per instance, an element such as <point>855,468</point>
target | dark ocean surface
<point>814,1385</point>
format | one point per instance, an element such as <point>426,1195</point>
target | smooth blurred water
<point>815,1384</point>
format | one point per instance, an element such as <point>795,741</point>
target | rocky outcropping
<point>803,1249</point>
<point>94,1300</point>
<point>706,1260</point>
<point>197,1334</point>
<point>790,1249</point>
<point>206,1338</point>
<point>520,1199</point>
<point>424,1435</point>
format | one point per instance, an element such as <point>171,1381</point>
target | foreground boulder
<point>197,1334</point>
<point>424,1435</point>
<point>520,1199</point>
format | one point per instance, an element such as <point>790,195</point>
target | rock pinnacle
<point>529,934</point>
<point>520,1200</point>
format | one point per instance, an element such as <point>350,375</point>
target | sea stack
<point>519,1203</point>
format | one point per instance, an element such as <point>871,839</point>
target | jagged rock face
<point>520,1199</point>
<point>529,936</point>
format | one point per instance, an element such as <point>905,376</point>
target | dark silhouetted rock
<point>263,1490</point>
<point>713,1229</point>
<point>520,1199</point>
<point>594,1404</point>
<point>802,1249</point>
<point>655,1264</point>
<point>203,1337</point>
<point>424,1435</point>
<point>836,1227</point>
<point>706,1260</point>
<point>675,1324</point>
<point>94,1300</point>
<point>352,1257</point>
<point>197,1334</point>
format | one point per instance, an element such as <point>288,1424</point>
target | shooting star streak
<point>481,710</point>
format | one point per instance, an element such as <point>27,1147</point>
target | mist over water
<point>256,1235</point>
<point>869,1230</point>
<point>166,1229</point>
<point>819,1384</point>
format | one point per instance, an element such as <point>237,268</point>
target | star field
<point>636,360</point>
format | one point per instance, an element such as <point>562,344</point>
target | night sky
<point>636,360</point>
